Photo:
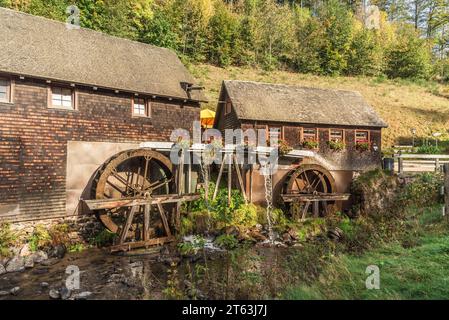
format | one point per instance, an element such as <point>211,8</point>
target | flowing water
<point>138,275</point>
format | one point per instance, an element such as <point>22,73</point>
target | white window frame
<point>59,94</point>
<point>145,107</point>
<point>7,99</point>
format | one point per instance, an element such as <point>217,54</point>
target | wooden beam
<point>229,179</point>
<point>220,173</point>
<point>141,244</point>
<point>300,197</point>
<point>239,176</point>
<point>146,222</point>
<point>164,219</point>
<point>131,202</point>
<point>446,191</point>
<point>129,220</point>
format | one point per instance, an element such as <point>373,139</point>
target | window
<point>4,90</point>
<point>336,135</point>
<point>361,137</point>
<point>309,134</point>
<point>141,107</point>
<point>228,107</point>
<point>62,98</point>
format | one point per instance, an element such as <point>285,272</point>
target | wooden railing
<point>420,162</point>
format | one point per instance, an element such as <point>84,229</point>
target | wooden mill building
<point>72,98</point>
<point>335,132</point>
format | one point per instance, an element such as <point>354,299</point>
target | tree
<point>365,54</point>
<point>409,56</point>
<point>223,43</point>
<point>309,41</point>
<point>338,22</point>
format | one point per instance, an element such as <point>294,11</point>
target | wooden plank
<point>229,179</point>
<point>129,220</point>
<point>422,156</point>
<point>316,208</point>
<point>446,191</point>
<point>239,176</point>
<point>164,219</point>
<point>146,222</point>
<point>131,202</point>
<point>141,244</point>
<point>292,197</point>
<point>220,173</point>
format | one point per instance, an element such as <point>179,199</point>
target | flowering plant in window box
<point>336,145</point>
<point>284,147</point>
<point>362,145</point>
<point>310,144</point>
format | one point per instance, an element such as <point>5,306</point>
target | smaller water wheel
<point>134,174</point>
<point>306,191</point>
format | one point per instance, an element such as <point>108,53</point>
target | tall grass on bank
<point>408,270</point>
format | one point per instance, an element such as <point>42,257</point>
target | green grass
<point>418,272</point>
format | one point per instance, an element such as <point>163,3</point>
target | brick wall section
<point>33,139</point>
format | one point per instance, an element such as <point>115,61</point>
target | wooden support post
<point>239,176</point>
<point>316,209</point>
<point>251,172</point>
<point>189,188</point>
<point>164,219</point>
<point>146,222</point>
<point>437,164</point>
<point>400,165</point>
<point>304,211</point>
<point>229,179</point>
<point>446,190</point>
<point>129,220</point>
<point>220,173</point>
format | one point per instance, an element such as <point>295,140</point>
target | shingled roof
<point>287,103</point>
<point>38,47</point>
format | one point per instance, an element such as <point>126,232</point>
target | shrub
<point>59,234</point>
<point>336,145</point>
<point>7,239</point>
<point>428,149</point>
<point>423,191</point>
<point>226,241</point>
<point>103,238</point>
<point>245,216</point>
<point>39,239</point>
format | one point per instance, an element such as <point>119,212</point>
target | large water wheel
<point>307,191</point>
<point>133,174</point>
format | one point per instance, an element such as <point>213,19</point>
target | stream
<point>132,276</point>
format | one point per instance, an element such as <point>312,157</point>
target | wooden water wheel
<point>135,174</point>
<point>309,191</point>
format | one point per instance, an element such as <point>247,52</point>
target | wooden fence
<point>420,162</point>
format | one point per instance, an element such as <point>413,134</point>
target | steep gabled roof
<point>38,47</point>
<point>288,103</point>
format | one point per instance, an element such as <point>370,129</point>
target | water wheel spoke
<point>297,185</point>
<point>157,184</point>
<point>316,181</point>
<point>123,193</point>
<point>127,183</point>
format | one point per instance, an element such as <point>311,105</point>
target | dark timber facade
<point>103,92</point>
